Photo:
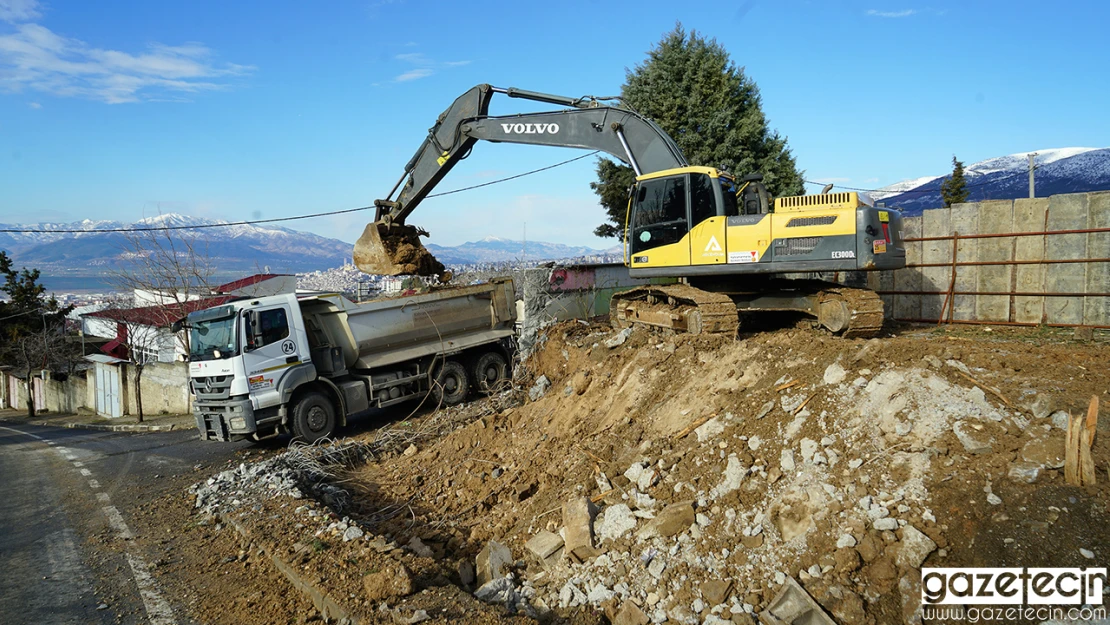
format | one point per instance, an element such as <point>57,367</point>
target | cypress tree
<point>692,89</point>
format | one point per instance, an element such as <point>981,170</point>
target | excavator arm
<point>389,247</point>
<point>589,124</point>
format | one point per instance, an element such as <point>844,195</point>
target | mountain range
<point>236,249</point>
<point>1058,170</point>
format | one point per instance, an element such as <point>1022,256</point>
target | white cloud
<point>35,105</point>
<point>456,63</point>
<point>891,14</point>
<point>414,74</point>
<point>34,57</point>
<point>19,10</point>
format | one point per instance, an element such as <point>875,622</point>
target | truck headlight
<point>238,423</point>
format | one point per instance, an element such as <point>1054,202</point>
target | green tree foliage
<point>32,326</point>
<point>954,189</point>
<point>693,90</point>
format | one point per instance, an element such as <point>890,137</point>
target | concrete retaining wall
<point>165,389</point>
<point>1076,211</point>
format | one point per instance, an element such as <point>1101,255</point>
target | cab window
<point>273,325</point>
<point>659,213</point>
<point>728,193</point>
<point>703,204</point>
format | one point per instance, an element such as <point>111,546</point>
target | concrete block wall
<point>165,389</point>
<point>1075,211</point>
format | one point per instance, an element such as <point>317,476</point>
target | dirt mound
<point>846,465</point>
<point>395,250</point>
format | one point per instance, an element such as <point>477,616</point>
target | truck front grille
<point>214,387</point>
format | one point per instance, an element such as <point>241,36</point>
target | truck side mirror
<point>254,336</point>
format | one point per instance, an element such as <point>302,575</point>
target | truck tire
<point>489,371</point>
<point>313,418</point>
<point>451,384</point>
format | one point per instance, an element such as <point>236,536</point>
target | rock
<point>835,374</point>
<point>709,429</point>
<point>716,591</point>
<point>855,463</point>
<point>418,547</point>
<point>674,519</point>
<point>1027,472</point>
<point>619,338</point>
<point>793,604</point>
<point>656,566</point>
<point>733,477</point>
<point>578,522</point>
<point>501,591</point>
<point>915,547</point>
<point>809,447</point>
<point>971,444</point>
<point>598,594</point>
<point>1041,406</point>
<point>631,614</point>
<point>910,589</point>
<point>1046,452</point>
<point>786,461</point>
<point>544,548</point>
<point>634,472</point>
<point>411,450</point>
<point>493,561</point>
<point>754,442</point>
<point>539,388</point>
<point>570,596</point>
<point>466,572</point>
<point>418,616</point>
<point>993,499</point>
<point>1087,553</point>
<point>845,540</point>
<point>351,533</point>
<point>887,524</point>
<point>614,522</point>
<point>765,410</point>
<point>1060,420</point>
<point>390,581</point>
<point>752,542</point>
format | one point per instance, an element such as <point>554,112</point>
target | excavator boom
<point>386,246</point>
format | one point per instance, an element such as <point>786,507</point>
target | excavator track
<point>860,310</point>
<point>677,307</point>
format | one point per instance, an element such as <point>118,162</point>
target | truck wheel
<point>489,371</point>
<point>451,384</point>
<point>313,418</point>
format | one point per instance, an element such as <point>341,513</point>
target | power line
<point>281,219</point>
<point>980,184</point>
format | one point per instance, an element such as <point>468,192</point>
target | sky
<point>244,110</point>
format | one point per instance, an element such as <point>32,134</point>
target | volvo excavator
<point>720,236</point>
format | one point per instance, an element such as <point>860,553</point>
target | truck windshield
<point>212,334</point>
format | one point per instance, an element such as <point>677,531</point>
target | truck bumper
<point>230,420</point>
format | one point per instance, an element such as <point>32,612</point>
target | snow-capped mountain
<point>231,248</point>
<point>1058,170</point>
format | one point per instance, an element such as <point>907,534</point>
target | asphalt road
<point>68,550</point>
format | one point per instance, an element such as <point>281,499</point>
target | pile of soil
<point>395,250</point>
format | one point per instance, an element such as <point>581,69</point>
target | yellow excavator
<point>720,235</point>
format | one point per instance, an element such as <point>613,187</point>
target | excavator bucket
<point>394,250</point>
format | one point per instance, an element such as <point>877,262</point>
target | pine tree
<point>954,189</point>
<point>693,90</point>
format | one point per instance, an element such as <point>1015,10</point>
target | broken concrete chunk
<point>352,533</point>
<point>733,477</point>
<point>809,447</point>
<point>786,461</point>
<point>716,591</point>
<point>888,524</point>
<point>578,524</point>
<point>709,429</point>
<point>971,444</point>
<point>419,548</point>
<point>1027,472</point>
<point>619,338</point>
<point>493,561</point>
<point>543,547</point>
<point>794,606</point>
<point>674,519</point>
<point>845,540</point>
<point>767,408</point>
<point>631,614</point>
<point>916,546</point>
<point>614,522</point>
<point>835,374</point>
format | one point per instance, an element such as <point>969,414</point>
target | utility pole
<point>1032,194</point>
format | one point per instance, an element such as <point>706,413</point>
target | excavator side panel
<point>748,238</point>
<point>707,242</point>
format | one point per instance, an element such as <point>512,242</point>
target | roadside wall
<point>1003,278</point>
<point>571,292</point>
<point>165,389</point>
<point>67,396</point>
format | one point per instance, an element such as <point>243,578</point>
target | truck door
<point>270,350</point>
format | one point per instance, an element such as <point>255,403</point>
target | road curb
<point>130,427</point>
<point>329,608</point>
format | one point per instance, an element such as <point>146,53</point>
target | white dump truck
<point>263,366</point>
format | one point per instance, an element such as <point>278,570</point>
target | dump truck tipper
<point>304,363</point>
